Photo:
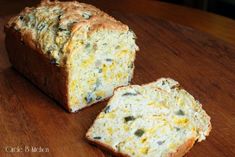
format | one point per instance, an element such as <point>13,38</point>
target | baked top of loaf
<point>156,119</point>
<point>51,27</point>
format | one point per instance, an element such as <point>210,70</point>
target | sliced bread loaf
<point>158,119</point>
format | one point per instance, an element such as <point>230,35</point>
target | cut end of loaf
<point>105,62</point>
<point>156,119</point>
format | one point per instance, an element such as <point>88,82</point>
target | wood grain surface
<point>204,64</point>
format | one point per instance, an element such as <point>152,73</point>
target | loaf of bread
<point>73,51</point>
<point>158,119</point>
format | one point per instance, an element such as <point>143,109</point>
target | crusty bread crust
<point>37,68</point>
<point>106,148</point>
<point>72,10</point>
<point>181,150</point>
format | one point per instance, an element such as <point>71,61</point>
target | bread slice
<point>73,51</point>
<point>158,119</point>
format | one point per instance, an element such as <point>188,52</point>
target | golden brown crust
<point>37,68</point>
<point>72,12</point>
<point>183,149</point>
<point>106,148</point>
<point>209,129</point>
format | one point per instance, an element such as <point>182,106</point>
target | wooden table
<point>194,47</point>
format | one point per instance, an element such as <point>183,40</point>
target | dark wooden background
<point>193,47</point>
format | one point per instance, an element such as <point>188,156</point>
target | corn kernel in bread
<point>83,52</point>
<point>158,119</point>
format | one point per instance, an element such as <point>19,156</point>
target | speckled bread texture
<point>159,119</point>
<point>72,51</point>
